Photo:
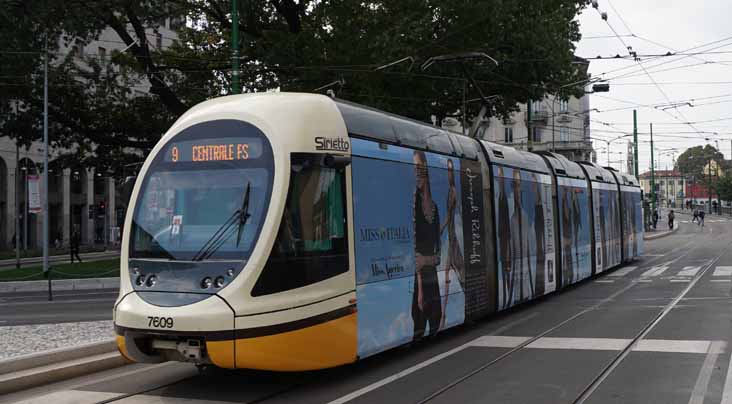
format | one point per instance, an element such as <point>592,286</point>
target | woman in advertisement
<point>426,307</point>
<point>455,261</point>
<point>518,243</point>
<point>504,236</point>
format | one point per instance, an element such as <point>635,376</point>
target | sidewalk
<point>57,259</point>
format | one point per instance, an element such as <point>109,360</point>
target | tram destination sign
<point>213,150</point>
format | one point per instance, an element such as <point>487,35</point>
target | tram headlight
<point>206,282</point>
<point>220,281</point>
<point>140,280</point>
<point>230,272</point>
<point>136,271</point>
<point>152,280</point>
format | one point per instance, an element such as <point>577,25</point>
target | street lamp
<point>608,142</point>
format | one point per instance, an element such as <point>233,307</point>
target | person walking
<point>655,218</point>
<point>74,246</point>
<point>671,217</point>
<point>701,218</point>
<point>696,216</point>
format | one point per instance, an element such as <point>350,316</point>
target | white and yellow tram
<point>291,232</point>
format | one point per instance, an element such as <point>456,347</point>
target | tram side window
<point>311,243</point>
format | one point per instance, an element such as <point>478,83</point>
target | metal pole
<point>635,142</point>
<point>17,204</point>
<point>44,204</point>
<point>607,153</point>
<point>709,186</point>
<point>653,177</point>
<point>235,47</point>
<point>25,205</point>
<point>529,140</point>
<point>554,98</point>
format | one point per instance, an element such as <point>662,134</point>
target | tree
<point>724,188</point>
<point>693,160</point>
<point>286,44</point>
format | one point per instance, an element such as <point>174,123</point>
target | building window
<point>536,107</point>
<point>78,50</point>
<point>563,106</point>
<point>564,134</point>
<point>681,183</point>
<point>536,135</point>
<point>508,135</point>
<point>102,52</point>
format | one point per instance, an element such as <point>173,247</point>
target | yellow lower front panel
<point>221,353</point>
<point>122,348</point>
<point>324,345</point>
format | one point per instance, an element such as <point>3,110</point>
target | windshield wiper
<point>243,215</point>
<point>226,230</point>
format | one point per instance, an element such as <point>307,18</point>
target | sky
<point>661,89</point>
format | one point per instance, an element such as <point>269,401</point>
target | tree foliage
<point>693,160</point>
<point>285,44</point>
<point>724,188</point>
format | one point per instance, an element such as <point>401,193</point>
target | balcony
<point>539,116</point>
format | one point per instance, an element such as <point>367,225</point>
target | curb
<point>664,234</point>
<point>41,368</point>
<point>61,284</point>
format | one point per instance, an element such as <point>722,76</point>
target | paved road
<point>659,331</point>
<point>68,306</point>
<point>57,259</point>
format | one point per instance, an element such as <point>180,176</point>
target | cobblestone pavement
<point>27,339</point>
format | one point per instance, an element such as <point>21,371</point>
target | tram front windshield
<point>201,202</point>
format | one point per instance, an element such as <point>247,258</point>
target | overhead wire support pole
<point>44,205</point>
<point>235,87</point>
<point>653,176</point>
<point>635,143</point>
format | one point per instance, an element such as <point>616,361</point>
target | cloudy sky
<point>661,88</point>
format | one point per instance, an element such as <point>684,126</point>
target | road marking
<point>689,271</point>
<point>723,271</point>
<point>721,280</point>
<point>705,374</point>
<point>499,341</point>
<point>591,344</point>
<point>680,280</point>
<point>605,281</point>
<point>408,371</point>
<point>603,344</point>
<point>654,271</point>
<point>727,390</point>
<point>645,280</point>
<point>623,271</point>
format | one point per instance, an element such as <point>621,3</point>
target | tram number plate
<point>160,322</point>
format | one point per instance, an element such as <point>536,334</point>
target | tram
<point>291,232</point>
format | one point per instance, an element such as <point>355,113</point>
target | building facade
<point>80,199</point>
<point>670,187</point>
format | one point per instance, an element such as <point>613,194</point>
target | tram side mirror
<point>332,161</point>
<point>127,186</point>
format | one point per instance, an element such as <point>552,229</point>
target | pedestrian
<point>701,218</point>
<point>671,220</point>
<point>696,216</point>
<point>74,246</point>
<point>655,218</point>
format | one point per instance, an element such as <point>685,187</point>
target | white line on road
<point>654,271</point>
<point>721,280</point>
<point>680,280</point>
<point>688,271</point>
<point>605,281</point>
<point>705,374</point>
<point>623,271</point>
<point>723,271</point>
<point>727,390</point>
<point>604,344</point>
<point>645,280</point>
<point>408,371</point>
